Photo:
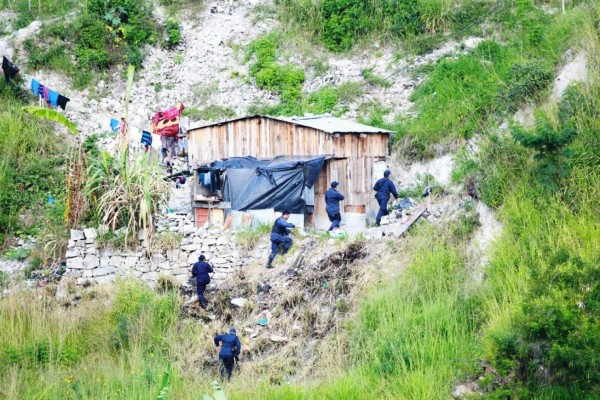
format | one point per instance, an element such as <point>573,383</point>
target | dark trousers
<point>383,210</point>
<point>201,287</point>
<point>278,240</point>
<point>335,219</point>
<point>226,366</point>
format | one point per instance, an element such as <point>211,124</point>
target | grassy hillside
<point>32,158</point>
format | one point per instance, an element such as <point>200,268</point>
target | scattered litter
<point>279,339</point>
<point>263,322</point>
<point>406,203</point>
<point>239,301</point>
<point>296,327</point>
<point>264,287</point>
<point>248,330</point>
<point>337,234</point>
<point>428,190</point>
<point>325,284</point>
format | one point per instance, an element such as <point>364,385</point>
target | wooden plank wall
<point>266,138</point>
<point>352,165</point>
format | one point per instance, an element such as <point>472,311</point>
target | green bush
<point>173,33</point>
<point>526,81</point>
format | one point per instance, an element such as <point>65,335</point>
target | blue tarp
<point>252,184</point>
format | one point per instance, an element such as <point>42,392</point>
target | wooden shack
<point>358,152</point>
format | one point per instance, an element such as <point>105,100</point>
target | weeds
<point>247,238</point>
<point>128,192</point>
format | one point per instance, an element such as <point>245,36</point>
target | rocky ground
<point>207,69</point>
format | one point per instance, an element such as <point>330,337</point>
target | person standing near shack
<point>200,271</point>
<point>332,201</point>
<point>230,351</point>
<point>384,187</point>
<point>279,237</point>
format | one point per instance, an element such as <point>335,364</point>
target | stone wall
<point>87,263</point>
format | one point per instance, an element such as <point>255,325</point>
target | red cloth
<point>166,123</point>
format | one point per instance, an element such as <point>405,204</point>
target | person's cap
<point>232,331</point>
<point>202,257</point>
<point>387,173</point>
<point>286,212</point>
<point>334,183</point>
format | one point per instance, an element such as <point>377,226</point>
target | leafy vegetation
<point>209,113</point>
<point>128,192</point>
<point>30,168</point>
<point>103,34</point>
<point>287,81</point>
<point>340,24</point>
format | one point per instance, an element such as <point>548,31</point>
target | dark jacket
<point>384,187</point>
<point>332,200</point>
<point>200,270</point>
<point>281,227</point>
<point>231,345</point>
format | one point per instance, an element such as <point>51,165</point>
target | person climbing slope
<point>201,271</point>
<point>384,187</point>
<point>279,237</point>
<point>230,351</point>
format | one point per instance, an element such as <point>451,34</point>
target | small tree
<point>550,143</point>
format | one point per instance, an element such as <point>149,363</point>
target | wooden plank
<point>414,216</point>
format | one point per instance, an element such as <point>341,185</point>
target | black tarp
<point>252,184</point>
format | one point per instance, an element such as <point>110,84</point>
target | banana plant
<point>52,115</point>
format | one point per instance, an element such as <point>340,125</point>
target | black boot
<point>270,263</point>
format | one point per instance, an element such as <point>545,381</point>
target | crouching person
<point>279,237</point>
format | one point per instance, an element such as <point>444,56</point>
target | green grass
<point>209,113</point>
<point>30,164</point>
<point>419,26</point>
<point>467,95</point>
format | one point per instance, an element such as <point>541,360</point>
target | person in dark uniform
<point>279,237</point>
<point>230,351</point>
<point>200,271</point>
<point>384,187</point>
<point>332,202</point>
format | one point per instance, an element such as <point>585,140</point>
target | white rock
<point>218,261</point>
<point>461,391</point>
<point>239,301</point>
<point>189,247</point>
<point>72,252</point>
<point>115,261</point>
<point>90,233</point>
<point>77,235</point>
<point>279,339</point>
<point>91,261</point>
<point>102,280</point>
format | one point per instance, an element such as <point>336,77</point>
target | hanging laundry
<point>10,70</point>
<point>53,97</point>
<point>146,138</point>
<point>166,123</point>
<point>35,86</point>
<point>62,101</point>
<point>114,125</point>
<point>46,93</point>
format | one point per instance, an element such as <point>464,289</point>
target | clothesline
<point>50,96</point>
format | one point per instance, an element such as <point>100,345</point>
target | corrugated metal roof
<point>325,123</point>
<point>330,124</point>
